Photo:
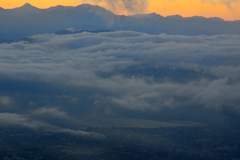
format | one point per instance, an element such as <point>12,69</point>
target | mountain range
<point>29,20</point>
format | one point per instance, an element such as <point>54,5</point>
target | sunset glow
<point>228,10</point>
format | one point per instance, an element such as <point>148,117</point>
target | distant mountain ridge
<point>29,20</point>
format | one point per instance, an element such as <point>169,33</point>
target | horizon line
<point>117,14</point>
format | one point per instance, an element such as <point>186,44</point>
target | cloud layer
<point>118,73</point>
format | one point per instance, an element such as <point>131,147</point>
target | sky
<point>225,9</point>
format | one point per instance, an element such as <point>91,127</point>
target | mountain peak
<point>26,8</point>
<point>27,5</point>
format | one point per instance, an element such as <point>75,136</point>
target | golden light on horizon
<point>189,8</point>
<point>227,10</point>
<point>9,4</point>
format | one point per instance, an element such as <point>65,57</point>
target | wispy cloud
<point>122,6</point>
<point>51,112</point>
<point>14,119</point>
<point>230,4</point>
<point>5,100</point>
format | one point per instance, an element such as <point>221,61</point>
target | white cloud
<point>132,70</point>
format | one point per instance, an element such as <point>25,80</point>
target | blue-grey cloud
<point>102,73</point>
<point>51,112</point>
<point>5,100</point>
<point>6,103</point>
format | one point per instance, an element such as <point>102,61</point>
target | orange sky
<point>226,9</point>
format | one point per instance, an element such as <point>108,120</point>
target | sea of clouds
<point>50,79</point>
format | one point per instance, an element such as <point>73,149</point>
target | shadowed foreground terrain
<point>121,143</point>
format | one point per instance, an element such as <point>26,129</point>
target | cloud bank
<point>119,74</point>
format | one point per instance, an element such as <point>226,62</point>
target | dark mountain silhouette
<point>29,20</point>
